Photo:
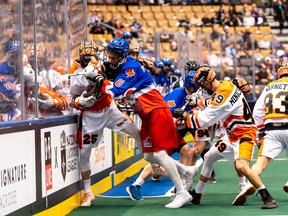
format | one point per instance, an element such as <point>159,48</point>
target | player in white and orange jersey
<point>229,105</point>
<point>97,111</point>
<point>221,149</point>
<point>271,117</point>
<point>53,94</point>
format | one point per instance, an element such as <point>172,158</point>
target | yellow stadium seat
<point>163,23</point>
<point>156,8</point>
<point>145,8</point>
<point>169,15</point>
<point>265,29</point>
<point>165,47</point>
<point>265,53</point>
<point>152,23</point>
<point>121,8</point>
<point>159,15</point>
<point>148,15</point>
<point>108,37</point>
<point>197,8</point>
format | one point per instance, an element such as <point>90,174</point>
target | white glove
<point>46,102</point>
<point>86,101</point>
<point>192,100</point>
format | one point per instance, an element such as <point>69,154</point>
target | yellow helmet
<point>282,69</point>
<point>88,48</point>
<point>242,83</point>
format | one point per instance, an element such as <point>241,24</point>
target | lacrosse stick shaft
<point>184,106</point>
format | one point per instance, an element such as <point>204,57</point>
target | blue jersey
<point>176,99</point>
<point>6,68</point>
<point>136,84</point>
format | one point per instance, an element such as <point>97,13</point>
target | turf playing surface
<point>217,200</point>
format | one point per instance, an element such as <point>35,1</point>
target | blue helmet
<point>172,68</point>
<point>177,72</point>
<point>12,47</point>
<point>159,63</point>
<point>119,46</point>
<point>126,35</point>
<point>189,81</point>
<point>166,62</point>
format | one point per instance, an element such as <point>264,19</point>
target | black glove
<point>180,113</point>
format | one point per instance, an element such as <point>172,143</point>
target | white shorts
<point>274,142</point>
<point>224,148</point>
<point>202,135</point>
<point>93,124</point>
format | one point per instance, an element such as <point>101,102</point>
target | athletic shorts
<point>273,143</point>
<point>158,131</point>
<point>92,124</point>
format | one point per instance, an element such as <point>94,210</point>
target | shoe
<point>212,179</point>
<point>267,199</point>
<point>191,173</point>
<point>241,198</point>
<point>155,177</point>
<point>285,187</point>
<point>196,197</point>
<point>88,198</point>
<point>242,186</point>
<point>180,199</point>
<point>158,170</point>
<point>134,192</point>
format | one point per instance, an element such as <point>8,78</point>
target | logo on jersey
<point>171,103</point>
<point>119,82</point>
<point>9,85</point>
<point>130,72</point>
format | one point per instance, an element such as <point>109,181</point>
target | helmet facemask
<point>204,77</point>
<point>114,59</point>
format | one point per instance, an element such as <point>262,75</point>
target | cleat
<point>241,198</point>
<point>267,199</point>
<point>191,173</point>
<point>179,200</point>
<point>285,187</point>
<point>134,192</point>
<point>88,198</point>
<point>196,197</point>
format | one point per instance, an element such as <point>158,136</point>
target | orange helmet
<point>204,75</point>
<point>242,83</point>
<point>282,69</point>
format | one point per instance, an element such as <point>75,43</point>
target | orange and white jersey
<point>228,105</point>
<point>79,84</point>
<point>272,105</point>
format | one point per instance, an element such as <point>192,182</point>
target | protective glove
<point>93,76</point>
<point>45,102</point>
<point>192,100</point>
<point>180,124</point>
<point>180,113</point>
<point>86,102</point>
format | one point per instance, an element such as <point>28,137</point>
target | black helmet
<point>191,65</point>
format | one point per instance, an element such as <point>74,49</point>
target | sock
<point>242,180</point>
<point>139,181</point>
<point>86,184</point>
<point>200,186</point>
<point>261,188</point>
